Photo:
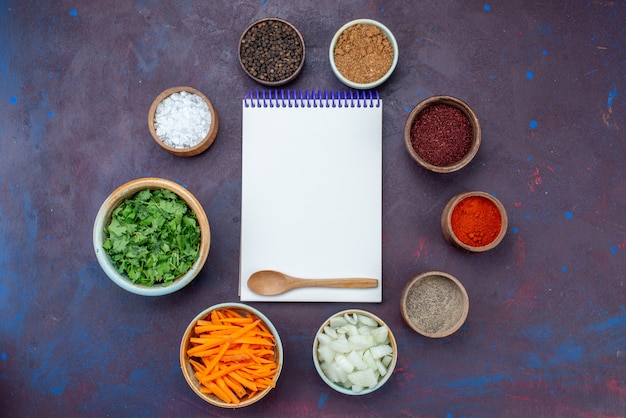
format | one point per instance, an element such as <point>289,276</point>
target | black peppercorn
<point>271,51</point>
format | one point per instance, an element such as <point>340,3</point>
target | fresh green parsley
<point>153,237</point>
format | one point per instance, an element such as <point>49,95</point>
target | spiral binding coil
<point>311,98</point>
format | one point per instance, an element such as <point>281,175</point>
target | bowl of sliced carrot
<point>231,355</point>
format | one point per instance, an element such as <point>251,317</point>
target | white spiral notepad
<point>312,190</point>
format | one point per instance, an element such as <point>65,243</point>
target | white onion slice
<point>354,351</point>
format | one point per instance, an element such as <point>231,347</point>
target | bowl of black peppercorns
<point>271,51</point>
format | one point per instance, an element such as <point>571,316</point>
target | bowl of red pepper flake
<point>474,221</point>
<point>442,134</point>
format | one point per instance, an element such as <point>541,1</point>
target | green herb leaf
<point>153,237</point>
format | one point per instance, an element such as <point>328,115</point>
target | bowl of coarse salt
<point>183,121</point>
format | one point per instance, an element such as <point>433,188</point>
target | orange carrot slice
<point>232,355</point>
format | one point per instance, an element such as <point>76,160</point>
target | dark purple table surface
<point>546,331</point>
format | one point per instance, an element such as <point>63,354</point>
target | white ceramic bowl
<point>338,387</point>
<point>103,218</point>
<point>188,370</point>
<point>350,83</point>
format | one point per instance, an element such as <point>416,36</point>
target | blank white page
<point>312,192</point>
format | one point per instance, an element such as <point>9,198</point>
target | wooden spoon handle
<point>345,283</point>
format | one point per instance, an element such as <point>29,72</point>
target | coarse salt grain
<point>182,120</point>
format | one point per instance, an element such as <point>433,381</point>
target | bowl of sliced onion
<point>355,352</point>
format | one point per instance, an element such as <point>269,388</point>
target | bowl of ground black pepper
<point>474,221</point>
<point>442,134</point>
<point>363,54</point>
<point>434,304</point>
<point>271,51</point>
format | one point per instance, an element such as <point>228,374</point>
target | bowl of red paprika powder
<point>474,221</point>
<point>442,134</point>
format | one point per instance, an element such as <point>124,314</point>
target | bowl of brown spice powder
<point>363,54</point>
<point>442,134</point>
<point>434,304</point>
<point>271,51</point>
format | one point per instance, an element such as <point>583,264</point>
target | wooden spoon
<point>270,282</point>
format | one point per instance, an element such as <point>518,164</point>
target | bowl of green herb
<point>151,236</point>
